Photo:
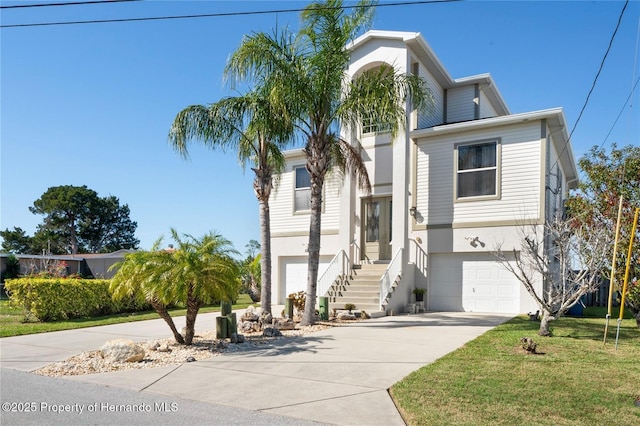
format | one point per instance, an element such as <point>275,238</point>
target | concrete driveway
<point>337,376</point>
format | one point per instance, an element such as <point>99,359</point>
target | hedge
<point>51,299</point>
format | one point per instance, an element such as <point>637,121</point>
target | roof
<point>71,257</point>
<point>427,56</point>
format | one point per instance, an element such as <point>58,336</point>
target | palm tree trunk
<point>193,306</point>
<point>317,181</point>
<point>161,309</point>
<point>265,259</point>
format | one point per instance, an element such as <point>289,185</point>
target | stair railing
<point>393,271</point>
<point>336,270</point>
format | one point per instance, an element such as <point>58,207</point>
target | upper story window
<point>302,193</point>
<point>477,169</point>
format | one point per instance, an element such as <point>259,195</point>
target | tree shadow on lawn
<point>583,330</point>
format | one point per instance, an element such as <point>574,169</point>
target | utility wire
<point>70,3</point>
<point>211,15</point>
<point>620,113</point>
<point>593,85</point>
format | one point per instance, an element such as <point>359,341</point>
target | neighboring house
<point>88,265</point>
<point>459,181</point>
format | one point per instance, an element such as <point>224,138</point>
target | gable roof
<point>421,49</point>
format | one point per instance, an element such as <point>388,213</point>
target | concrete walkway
<point>336,376</point>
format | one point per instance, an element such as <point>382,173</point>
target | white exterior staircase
<point>361,288</point>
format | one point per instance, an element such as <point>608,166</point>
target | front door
<point>377,229</point>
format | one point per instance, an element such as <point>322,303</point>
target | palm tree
<point>201,270</point>
<point>141,275</point>
<point>309,76</point>
<point>253,126</point>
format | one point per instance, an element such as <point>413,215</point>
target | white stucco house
<point>450,187</point>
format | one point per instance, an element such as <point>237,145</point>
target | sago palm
<point>256,128</point>
<point>309,76</point>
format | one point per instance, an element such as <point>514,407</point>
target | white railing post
<point>338,267</point>
<point>393,271</point>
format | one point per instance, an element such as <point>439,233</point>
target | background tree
<point>65,208</point>
<point>568,272</point>
<point>250,271</point>
<point>308,75</point>
<point>108,227</point>
<point>76,220</point>
<point>607,175</point>
<point>16,241</point>
<point>257,129</point>
<point>199,271</point>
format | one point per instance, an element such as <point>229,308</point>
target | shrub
<point>62,298</point>
<point>298,300</point>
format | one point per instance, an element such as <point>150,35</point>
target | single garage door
<point>295,273</point>
<point>471,283</point>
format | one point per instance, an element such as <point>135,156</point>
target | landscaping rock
<point>163,348</point>
<point>284,323</point>
<point>237,338</point>
<point>271,332</point>
<point>346,316</point>
<point>122,350</point>
<point>190,359</point>
<point>265,318</point>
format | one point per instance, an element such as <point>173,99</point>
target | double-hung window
<point>302,193</point>
<point>477,169</point>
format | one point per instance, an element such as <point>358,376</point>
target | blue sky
<point>92,104</point>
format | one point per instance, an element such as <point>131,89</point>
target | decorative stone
<point>346,316</point>
<point>364,315</point>
<point>122,350</point>
<point>265,318</point>
<point>247,316</point>
<point>163,348</point>
<point>284,323</point>
<point>271,332</point>
<point>237,338</point>
<point>190,359</point>
<point>153,346</point>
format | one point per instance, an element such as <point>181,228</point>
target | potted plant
<point>419,292</point>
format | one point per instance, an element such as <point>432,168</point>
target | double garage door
<point>471,283</point>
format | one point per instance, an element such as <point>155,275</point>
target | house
<point>94,265</point>
<point>457,182</point>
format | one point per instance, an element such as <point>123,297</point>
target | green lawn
<point>491,381</point>
<point>11,318</point>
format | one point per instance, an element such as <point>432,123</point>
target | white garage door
<point>471,283</point>
<point>295,274</point>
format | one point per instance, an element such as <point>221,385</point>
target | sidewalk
<point>338,375</point>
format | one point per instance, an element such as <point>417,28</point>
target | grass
<point>491,381</point>
<point>12,318</point>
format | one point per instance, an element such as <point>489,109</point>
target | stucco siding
<point>376,52</point>
<point>460,105</point>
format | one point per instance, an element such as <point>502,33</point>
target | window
<point>477,170</point>
<point>302,194</point>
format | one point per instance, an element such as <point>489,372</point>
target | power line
<point>212,15</point>
<point>620,113</point>
<point>71,3</point>
<point>593,85</point>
